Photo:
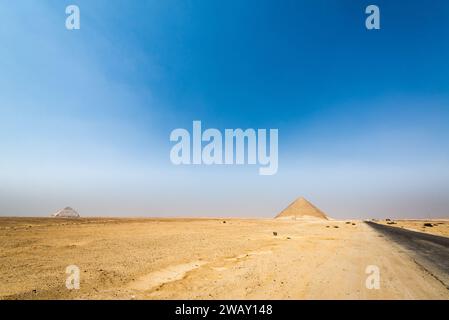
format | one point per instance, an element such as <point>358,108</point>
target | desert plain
<point>180,258</point>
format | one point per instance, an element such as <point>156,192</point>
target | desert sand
<point>205,259</point>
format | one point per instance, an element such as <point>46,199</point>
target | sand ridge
<point>302,209</point>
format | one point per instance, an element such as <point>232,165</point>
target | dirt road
<point>428,250</point>
<point>205,259</point>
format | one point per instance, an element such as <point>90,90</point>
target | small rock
<point>428,224</point>
<point>275,233</point>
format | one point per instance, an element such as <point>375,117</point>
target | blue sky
<point>85,115</point>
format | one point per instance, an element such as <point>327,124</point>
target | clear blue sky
<point>363,116</point>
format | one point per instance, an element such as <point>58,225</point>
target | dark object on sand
<point>387,219</point>
<point>336,227</point>
<point>275,233</point>
<point>391,222</point>
<point>427,224</point>
<point>224,221</point>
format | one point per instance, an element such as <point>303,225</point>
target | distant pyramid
<point>301,208</point>
<point>67,212</point>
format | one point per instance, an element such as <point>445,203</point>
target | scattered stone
<point>348,222</point>
<point>336,227</point>
<point>391,222</point>
<point>224,221</point>
<point>428,224</point>
<point>353,224</point>
<point>275,233</point>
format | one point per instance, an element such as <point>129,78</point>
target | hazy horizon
<point>86,115</point>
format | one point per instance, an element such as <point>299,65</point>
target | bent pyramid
<point>301,208</point>
<point>66,213</point>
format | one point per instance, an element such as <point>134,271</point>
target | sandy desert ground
<point>205,259</point>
